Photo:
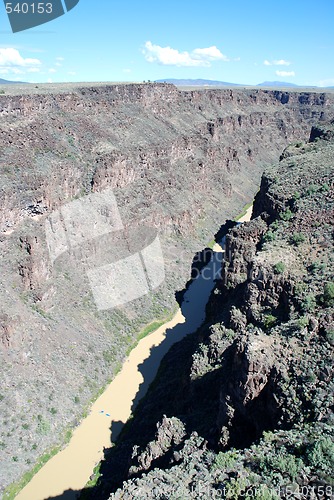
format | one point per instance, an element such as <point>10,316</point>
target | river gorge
<point>178,162</point>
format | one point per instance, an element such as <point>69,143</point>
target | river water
<point>70,469</point>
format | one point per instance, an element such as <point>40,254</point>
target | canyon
<point>244,406</point>
<point>178,162</point>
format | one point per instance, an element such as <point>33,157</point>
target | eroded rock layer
<point>178,162</point>
<point>245,406</point>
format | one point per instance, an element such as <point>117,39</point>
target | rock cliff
<point>248,399</point>
<point>180,162</point>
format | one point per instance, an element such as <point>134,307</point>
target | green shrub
<point>300,288</point>
<point>108,356</point>
<point>269,321</point>
<point>235,487</point>
<point>316,266</point>
<point>320,455</point>
<point>310,376</point>
<point>94,477</point>
<point>229,334</point>
<point>43,426</point>
<point>269,236</point>
<point>297,238</point>
<point>330,336</point>
<point>313,188</point>
<point>287,215</point>
<point>225,460</point>
<point>328,296</point>
<point>303,321</point>
<point>308,304</point>
<point>325,188</point>
<point>68,435</point>
<point>279,268</point>
<point>281,462</point>
<point>275,225</point>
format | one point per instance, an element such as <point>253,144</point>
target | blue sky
<point>240,41</point>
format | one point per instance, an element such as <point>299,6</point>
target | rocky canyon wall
<point>180,162</point>
<point>244,407</point>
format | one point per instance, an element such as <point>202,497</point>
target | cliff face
<point>178,162</point>
<point>56,147</point>
<point>249,397</point>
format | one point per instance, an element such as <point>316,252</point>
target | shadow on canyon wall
<point>195,402</point>
<point>205,269</point>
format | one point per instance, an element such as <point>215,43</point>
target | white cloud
<point>72,73</point>
<point>126,70</point>
<point>52,70</point>
<point>285,73</point>
<point>172,57</point>
<point>282,62</point>
<point>11,58</point>
<point>12,63</point>
<point>210,53</point>
<point>60,59</point>
<point>278,62</point>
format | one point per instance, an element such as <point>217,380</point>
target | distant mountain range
<point>7,82</point>
<point>197,82</point>
<point>277,84</point>
<point>216,83</point>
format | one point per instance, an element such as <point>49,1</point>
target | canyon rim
<point>178,162</point>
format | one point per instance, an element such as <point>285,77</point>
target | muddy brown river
<point>71,468</point>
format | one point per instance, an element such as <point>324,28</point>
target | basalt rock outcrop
<point>252,390</point>
<point>179,162</point>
